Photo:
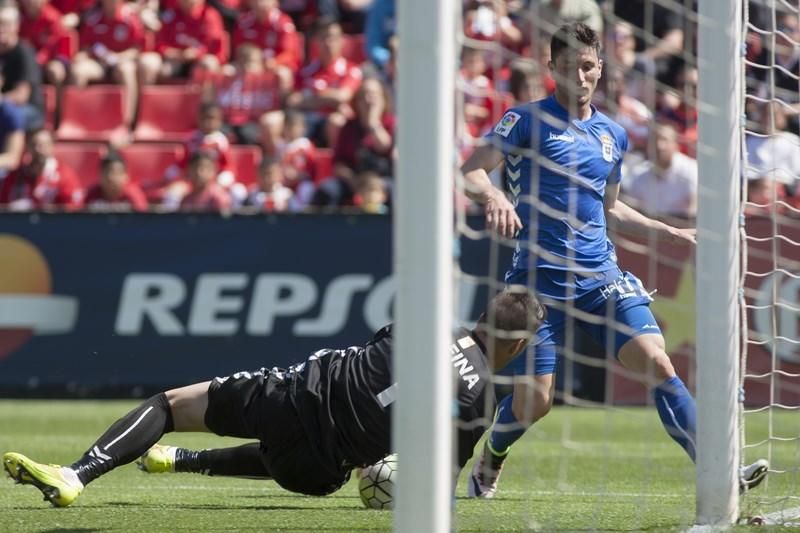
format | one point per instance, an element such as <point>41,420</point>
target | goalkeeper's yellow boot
<point>158,460</point>
<point>59,485</point>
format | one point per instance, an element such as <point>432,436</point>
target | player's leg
<point>640,347</point>
<point>239,461</point>
<point>531,399</point>
<point>646,355</point>
<point>125,440</point>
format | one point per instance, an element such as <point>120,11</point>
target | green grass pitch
<point>579,469</point>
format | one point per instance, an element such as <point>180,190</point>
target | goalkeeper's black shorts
<point>257,405</point>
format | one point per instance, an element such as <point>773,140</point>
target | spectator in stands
<point>372,195</point>
<point>525,83</point>
<point>782,63</point>
<point>668,184</point>
<point>71,10</point>
<point>365,143</point>
<point>12,136</point>
<point>639,70</point>
<point>679,108</point>
<point>487,20</point>
<point>269,193</point>
<point>350,14</point>
<point>42,181</point>
<point>773,153</point>
<point>297,155</point>
<point>21,74</point>
<point>633,115</point>
<point>765,196</point>
<point>205,194</point>
<point>191,36</point>
<point>273,32</point>
<point>245,95</point>
<point>326,85</point>
<point>211,141</point>
<point>111,37</point>
<point>665,23</point>
<point>379,28</point>
<point>477,90</point>
<point>115,191</point>
<point>549,15</point>
<point>42,28</point>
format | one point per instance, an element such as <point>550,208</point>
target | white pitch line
<point>508,492</point>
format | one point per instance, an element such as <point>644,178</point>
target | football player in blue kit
<point>562,168</point>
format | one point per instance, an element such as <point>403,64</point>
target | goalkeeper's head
<point>509,323</point>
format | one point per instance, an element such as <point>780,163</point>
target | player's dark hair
<point>573,35</point>
<point>512,313</point>
<point>111,159</point>
<point>208,107</point>
<point>323,24</point>
<point>201,155</point>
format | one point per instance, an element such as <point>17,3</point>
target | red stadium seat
<point>167,113</point>
<point>244,163</point>
<point>49,94</point>
<point>147,162</point>
<point>82,157</point>
<point>94,113</point>
<point>323,164</point>
<point>352,48</point>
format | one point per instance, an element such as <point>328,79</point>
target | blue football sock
<point>678,413</point>
<point>510,430</point>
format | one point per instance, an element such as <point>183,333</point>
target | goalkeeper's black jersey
<point>344,399</point>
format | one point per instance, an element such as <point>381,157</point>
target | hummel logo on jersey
<point>562,137</point>
<point>651,326</point>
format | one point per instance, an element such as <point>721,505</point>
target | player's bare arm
<point>622,217</point>
<point>501,215</point>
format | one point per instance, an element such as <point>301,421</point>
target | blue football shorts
<point>620,308</point>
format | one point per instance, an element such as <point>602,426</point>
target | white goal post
<point>719,153</point>
<point>423,264</point>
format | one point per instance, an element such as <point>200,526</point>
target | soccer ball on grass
<point>376,483</point>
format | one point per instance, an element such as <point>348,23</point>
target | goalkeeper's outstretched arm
<point>501,215</point>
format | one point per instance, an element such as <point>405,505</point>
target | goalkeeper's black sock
<point>126,439</point>
<point>241,461</point>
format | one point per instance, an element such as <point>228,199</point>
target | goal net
<point>771,282</point>
<point>601,458</point>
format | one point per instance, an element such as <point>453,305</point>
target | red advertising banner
<point>772,291</point>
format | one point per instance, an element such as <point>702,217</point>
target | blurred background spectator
<point>205,194</point>
<point>269,193</point>
<point>191,36</point>
<point>325,85</point>
<point>667,183</point>
<point>22,77</point>
<point>773,153</point>
<point>115,191</point>
<point>111,37</point>
<point>41,181</point>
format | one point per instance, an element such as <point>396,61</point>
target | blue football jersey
<point>557,170</point>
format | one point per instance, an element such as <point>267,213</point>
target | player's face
<point>576,74</point>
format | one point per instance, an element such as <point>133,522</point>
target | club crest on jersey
<point>507,123</point>
<point>608,147</point>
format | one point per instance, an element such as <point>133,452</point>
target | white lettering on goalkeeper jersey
<point>460,362</point>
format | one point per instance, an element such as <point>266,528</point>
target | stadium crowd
<point>286,105</point>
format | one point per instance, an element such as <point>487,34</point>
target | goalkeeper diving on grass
<point>562,169</point>
<point>314,422</point>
